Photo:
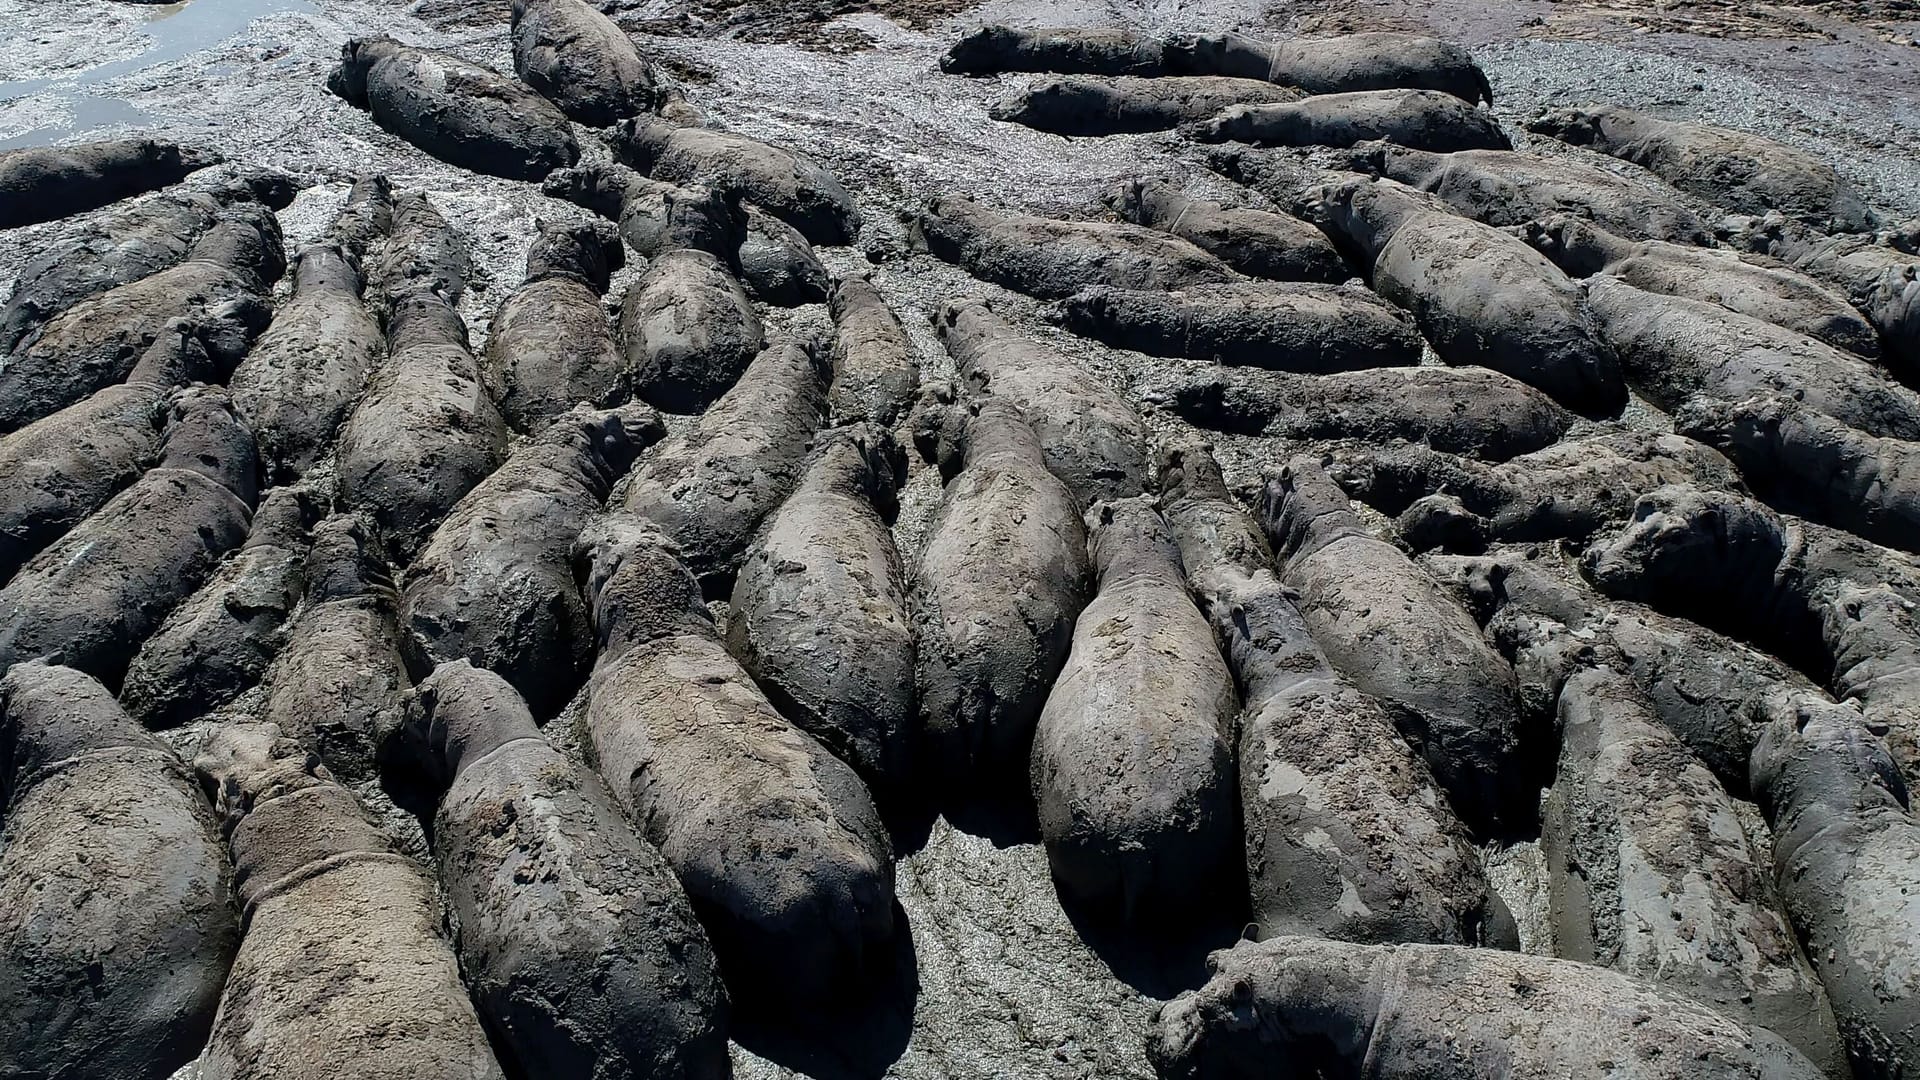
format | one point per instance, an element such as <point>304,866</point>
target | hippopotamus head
<point>1197,395</point>
<point>270,187</point>
<point>1128,198</point>
<point>1054,97</point>
<point>1747,429</point>
<point>986,49</point>
<point>1366,212</point>
<point>1128,538</point>
<point>860,459</point>
<point>1578,126</point>
<point>242,764</point>
<point>357,57</point>
<point>1303,510</point>
<point>608,440</point>
<point>1186,469</point>
<point>1813,753</point>
<point>1216,53</point>
<point>1691,547</point>
<point>588,250</point>
<point>458,714</point>
<point>206,435</point>
<point>1289,999</point>
<point>639,141</point>
<point>1084,311</point>
<point>1575,245</point>
<point>638,587</point>
<point>345,561</point>
<point>285,515</point>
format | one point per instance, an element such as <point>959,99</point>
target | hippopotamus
<point>117,922</point>
<point>1421,119</point>
<point>1444,1012</point>
<point>819,609</point>
<point>1132,768</point>
<point>1347,834</point>
<point>577,58</point>
<point>460,112</point>
<point>1741,171</point>
<point>42,183</point>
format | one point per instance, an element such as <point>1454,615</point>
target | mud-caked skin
<point>549,347</point>
<point>121,245</point>
<point>1846,855</point>
<point>1097,105</point>
<point>424,433</point>
<point>1421,119</point>
<point>302,377</point>
<point>1066,50</point>
<point>576,942</point>
<point>336,687</point>
<point>1002,578</point>
<point>1469,411</point>
<point>495,585</point>
<point>91,598</point>
<point>1649,871</point>
<point>776,841</point>
<point>1383,623</point>
<point>116,915</point>
<point>1873,636</point>
<point>1747,285</point>
<point>1806,462</point>
<point>1741,171</point>
<point>43,183</point>
<point>1054,259</point>
<point>1480,295</point>
<point>1336,64</point>
<point>793,188</point>
<point>1257,243</point>
<point>1881,280</point>
<point>653,215</point>
<point>1094,439</point>
<point>819,614</point>
<point>876,369</point>
<point>687,331</point>
<point>1297,326</point>
<point>1132,769</point>
<point>778,265</point>
<point>365,219</point>
<point>1507,188</point>
<point>1347,835</point>
<point>1673,348</point>
<point>578,59</point>
<point>219,641</point>
<point>223,285</point>
<point>460,112</point>
<point>422,253</point>
<point>61,468</point>
<point>344,968</point>
<point>1443,1012</point>
<point>1566,491</point>
<point>709,485</point>
<point>1703,685</point>
<point>1836,606</point>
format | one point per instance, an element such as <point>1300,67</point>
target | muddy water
<point>173,31</point>
<point>1006,986</point>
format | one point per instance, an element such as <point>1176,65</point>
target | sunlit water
<point>174,31</point>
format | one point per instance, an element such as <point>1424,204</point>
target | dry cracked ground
<point>995,976</point>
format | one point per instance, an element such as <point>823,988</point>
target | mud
<point>1008,985</point>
